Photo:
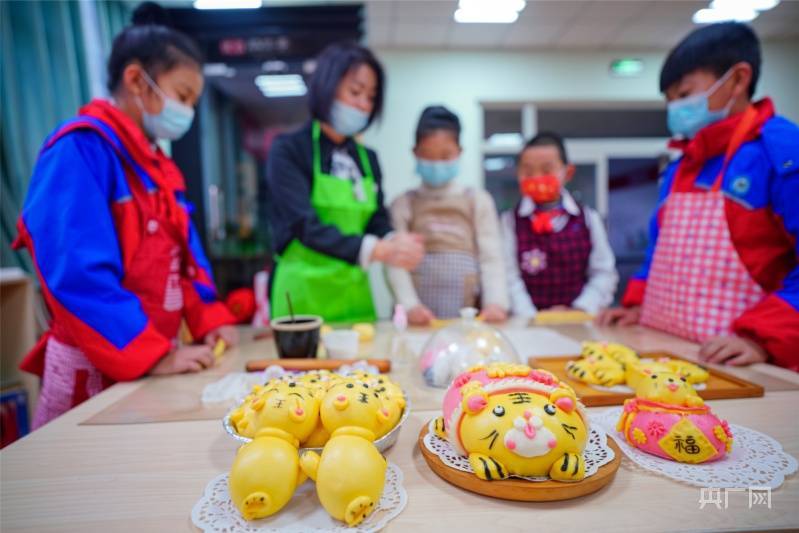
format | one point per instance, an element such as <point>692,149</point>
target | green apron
<point>320,284</point>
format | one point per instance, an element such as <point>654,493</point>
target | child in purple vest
<point>557,253</point>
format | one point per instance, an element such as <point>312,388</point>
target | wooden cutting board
<point>719,386</point>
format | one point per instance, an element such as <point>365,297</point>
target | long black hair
<point>332,65</point>
<point>152,42</point>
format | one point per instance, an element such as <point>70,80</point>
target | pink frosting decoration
<point>543,377</point>
<point>656,430</point>
<point>476,403</point>
<point>452,398</point>
<point>565,403</point>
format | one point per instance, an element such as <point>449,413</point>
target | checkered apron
<point>448,278</point>
<point>697,284</point>
<point>69,379</point>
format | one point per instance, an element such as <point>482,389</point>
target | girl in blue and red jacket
<point>723,264</point>
<point>108,227</point>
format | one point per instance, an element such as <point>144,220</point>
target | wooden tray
<point>719,386</point>
<point>519,489</point>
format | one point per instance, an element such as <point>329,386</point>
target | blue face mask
<point>688,115</point>
<point>346,119</point>
<point>437,173</point>
<point>172,122</point>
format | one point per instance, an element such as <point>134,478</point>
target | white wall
<point>463,79</point>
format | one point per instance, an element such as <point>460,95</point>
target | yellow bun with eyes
<point>312,405</point>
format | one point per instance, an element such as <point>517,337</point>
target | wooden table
<point>147,477</point>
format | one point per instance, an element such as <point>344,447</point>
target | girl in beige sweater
<point>463,263</point>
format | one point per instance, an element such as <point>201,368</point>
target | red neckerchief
<point>711,141</point>
<point>541,222</point>
<point>160,168</point>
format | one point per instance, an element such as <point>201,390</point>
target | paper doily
<point>215,512</point>
<point>597,453</point>
<point>756,460</point>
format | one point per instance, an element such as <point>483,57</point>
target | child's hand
<point>494,313</point>
<point>229,334</point>
<point>184,359</point>
<point>733,350</point>
<point>619,316</point>
<point>420,316</point>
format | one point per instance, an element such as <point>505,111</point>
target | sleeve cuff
<point>209,317</point>
<point>774,325</point>
<point>587,302</point>
<point>634,295</point>
<point>368,244</point>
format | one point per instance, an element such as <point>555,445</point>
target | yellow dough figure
<point>350,474</point>
<point>514,420</point>
<point>354,403</point>
<point>265,474</point>
<point>638,372</point>
<point>596,366</point>
<point>668,388</point>
<point>621,353</point>
<point>365,331</point>
<point>290,406</point>
<point>692,372</point>
<point>393,400</point>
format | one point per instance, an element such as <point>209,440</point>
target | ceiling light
<point>219,70</point>
<point>489,11</point>
<point>279,85</point>
<point>757,5</point>
<point>737,13</point>
<point>227,4</point>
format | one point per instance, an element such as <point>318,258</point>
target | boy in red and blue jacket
<point>722,267</point>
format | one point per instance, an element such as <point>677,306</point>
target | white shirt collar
<point>527,206</point>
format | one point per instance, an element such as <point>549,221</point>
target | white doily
<point>597,453</point>
<point>215,512</point>
<point>756,459</point>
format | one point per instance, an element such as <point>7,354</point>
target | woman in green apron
<point>325,196</point>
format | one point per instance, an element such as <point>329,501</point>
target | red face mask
<point>541,189</point>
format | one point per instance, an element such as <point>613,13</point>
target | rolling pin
<point>303,365</point>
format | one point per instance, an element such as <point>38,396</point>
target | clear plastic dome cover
<point>462,345</point>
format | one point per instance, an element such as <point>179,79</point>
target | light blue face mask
<point>346,119</point>
<point>688,115</point>
<point>172,122</point>
<point>437,173</point>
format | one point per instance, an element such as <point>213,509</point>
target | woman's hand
<point>494,313</point>
<point>402,250</point>
<point>184,359</point>
<point>229,334</point>
<point>420,315</point>
<point>619,316</point>
<point>733,350</point>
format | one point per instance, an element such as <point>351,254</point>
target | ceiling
<point>555,24</point>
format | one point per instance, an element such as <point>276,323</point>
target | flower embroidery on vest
<point>534,261</point>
